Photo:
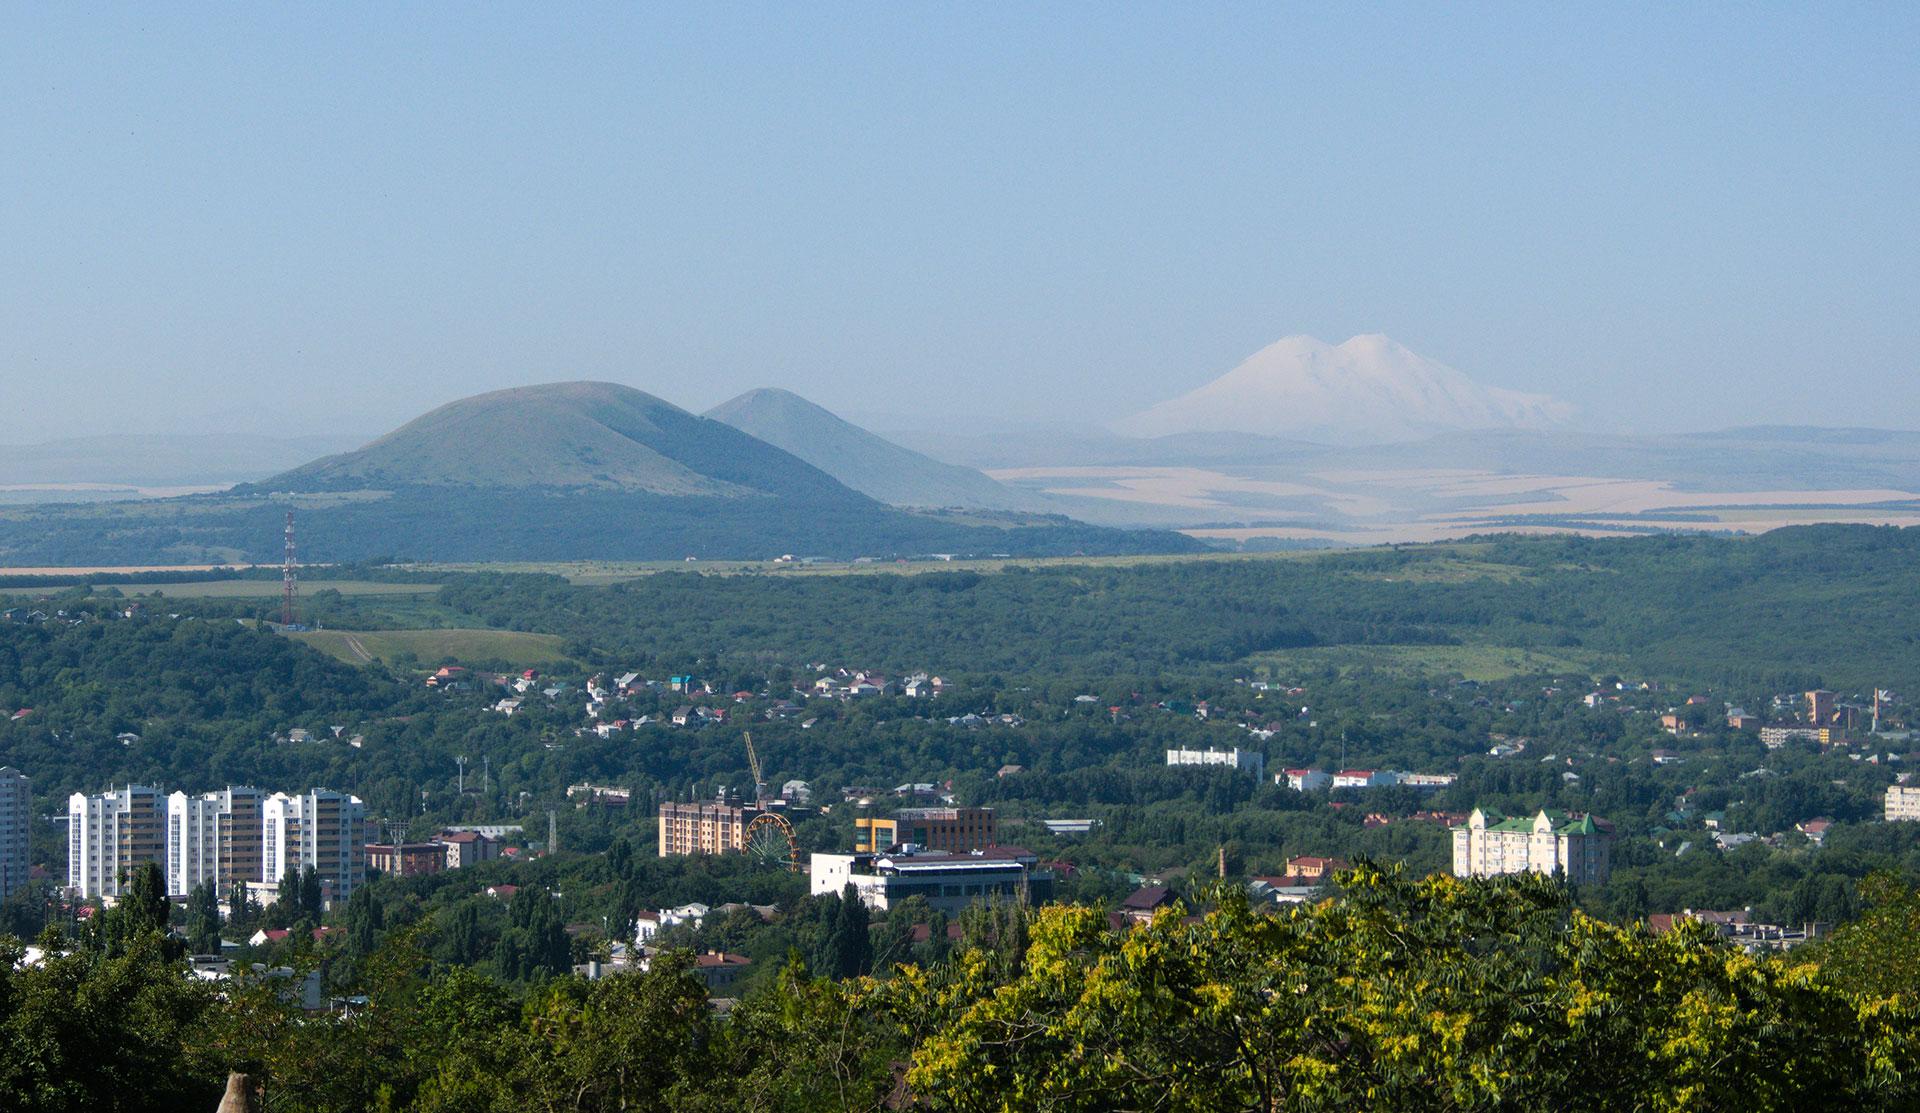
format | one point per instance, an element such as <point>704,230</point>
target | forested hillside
<point>1824,604</point>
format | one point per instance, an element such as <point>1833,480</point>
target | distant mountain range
<point>865,462</point>
<point>567,436</point>
<point>1368,390</point>
<point>1304,443</point>
<point>563,471</point>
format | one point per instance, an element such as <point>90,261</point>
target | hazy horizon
<point>264,222</point>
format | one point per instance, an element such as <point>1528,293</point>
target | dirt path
<point>355,647</point>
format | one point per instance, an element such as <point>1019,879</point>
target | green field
<point>510,648</point>
<point>1468,662</point>
<point>266,589</point>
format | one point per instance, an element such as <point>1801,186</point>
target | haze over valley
<point>1304,443</point>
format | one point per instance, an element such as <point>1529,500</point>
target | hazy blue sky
<point>254,216</point>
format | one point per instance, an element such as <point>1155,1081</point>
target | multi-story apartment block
<point>111,833</point>
<point>717,827</point>
<point>1903,803</point>
<point>16,810</point>
<point>1247,760</point>
<point>1490,844</point>
<point>466,848</point>
<point>956,830</point>
<point>238,835</point>
<point>322,829</point>
<point>214,838</point>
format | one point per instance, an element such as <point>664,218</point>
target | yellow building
<point>956,830</point>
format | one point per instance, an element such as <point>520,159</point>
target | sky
<point>314,219</point>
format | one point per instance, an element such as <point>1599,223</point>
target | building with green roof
<point>1576,846</point>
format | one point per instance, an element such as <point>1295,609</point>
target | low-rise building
<point>1303,780</point>
<point>1311,869</point>
<point>1903,803</point>
<point>1236,758</point>
<point>1775,737</point>
<point>948,882</point>
<point>406,859</point>
<point>1738,927</point>
<point>719,970</point>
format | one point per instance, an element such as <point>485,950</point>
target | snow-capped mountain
<point>1367,390</point>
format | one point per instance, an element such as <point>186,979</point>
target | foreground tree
<point>1434,994</point>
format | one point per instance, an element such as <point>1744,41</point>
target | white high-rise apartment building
<point>111,833</point>
<point>322,829</point>
<point>16,811</point>
<point>214,838</point>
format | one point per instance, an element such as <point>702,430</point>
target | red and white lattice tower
<point>289,585</point>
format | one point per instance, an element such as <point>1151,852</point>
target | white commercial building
<point>1365,778</point>
<point>1303,780</point>
<point>16,812</point>
<point>1233,759</point>
<point>1490,844</point>
<point>949,882</point>
<point>1903,803</point>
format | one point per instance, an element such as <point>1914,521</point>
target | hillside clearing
<point>1468,662</point>
<point>507,648</point>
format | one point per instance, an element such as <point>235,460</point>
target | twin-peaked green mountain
<point>579,471</point>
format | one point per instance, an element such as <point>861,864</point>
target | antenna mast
<point>289,585</point>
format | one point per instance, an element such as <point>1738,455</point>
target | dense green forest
<point>1795,607</point>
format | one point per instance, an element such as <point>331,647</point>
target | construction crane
<point>759,782</point>
<point>768,837</point>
